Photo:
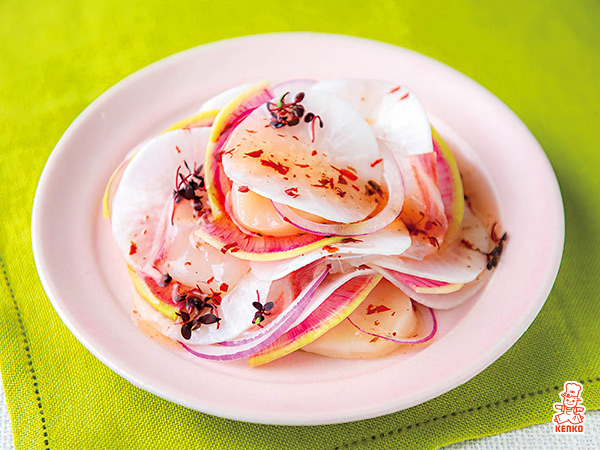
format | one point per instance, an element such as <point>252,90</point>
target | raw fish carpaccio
<point>327,216</point>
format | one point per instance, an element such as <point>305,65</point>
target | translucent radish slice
<point>141,205</point>
<point>228,353</point>
<point>328,177</point>
<point>335,308</point>
<point>236,312</point>
<point>394,112</point>
<point>455,263</point>
<point>423,285</point>
<point>225,122</point>
<point>393,206</point>
<point>439,301</point>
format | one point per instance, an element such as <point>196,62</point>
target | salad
<point>327,216</point>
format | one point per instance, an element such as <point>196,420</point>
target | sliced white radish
<point>328,177</point>
<point>141,204</point>
<point>455,263</point>
<point>236,312</point>
<point>394,111</point>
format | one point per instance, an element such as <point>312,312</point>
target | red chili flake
<point>467,244</point>
<point>210,280</point>
<point>224,287</point>
<point>342,180</point>
<point>145,231</point>
<point>377,161</point>
<point>404,96</point>
<point>356,188</point>
<point>377,323</point>
<point>229,247</point>
<point>132,248</point>
<point>255,153</point>
<point>280,135</point>
<point>292,192</point>
<point>303,166</point>
<point>307,175</point>
<point>177,148</point>
<point>340,193</point>
<point>296,137</point>
<point>396,89</point>
<point>393,314</point>
<point>429,225</point>
<point>187,263</point>
<point>331,249</point>
<point>286,178</point>
<point>375,339</point>
<point>350,240</point>
<point>434,241</point>
<point>372,309</point>
<point>250,131</point>
<point>243,189</point>
<point>276,166</point>
<point>314,152</point>
<point>347,173</point>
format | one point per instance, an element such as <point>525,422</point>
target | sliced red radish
<point>332,311</point>
<point>225,236</point>
<point>323,171</point>
<point>225,122</point>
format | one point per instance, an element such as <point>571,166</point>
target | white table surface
<point>529,438</point>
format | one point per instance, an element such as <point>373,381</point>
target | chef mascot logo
<point>569,417</point>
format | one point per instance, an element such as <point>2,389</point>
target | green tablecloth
<point>542,58</point>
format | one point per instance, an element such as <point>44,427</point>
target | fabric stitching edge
<point>434,419</point>
<point>26,348</point>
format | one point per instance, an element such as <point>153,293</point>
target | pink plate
<point>74,251</point>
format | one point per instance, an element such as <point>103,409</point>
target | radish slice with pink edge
<point>335,308</point>
<point>450,186</point>
<point>439,301</point>
<point>322,171</point>
<point>389,241</point>
<point>228,353</point>
<point>144,197</point>
<point>235,310</point>
<point>423,211</point>
<point>225,122</point>
<point>385,309</point>
<point>425,285</point>
<point>395,199</point>
<point>394,112</point>
<point>455,263</point>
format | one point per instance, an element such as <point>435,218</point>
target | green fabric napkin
<point>541,58</point>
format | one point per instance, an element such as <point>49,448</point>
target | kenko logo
<point>569,417</point>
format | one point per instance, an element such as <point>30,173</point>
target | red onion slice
<point>430,324</point>
<point>393,178</point>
